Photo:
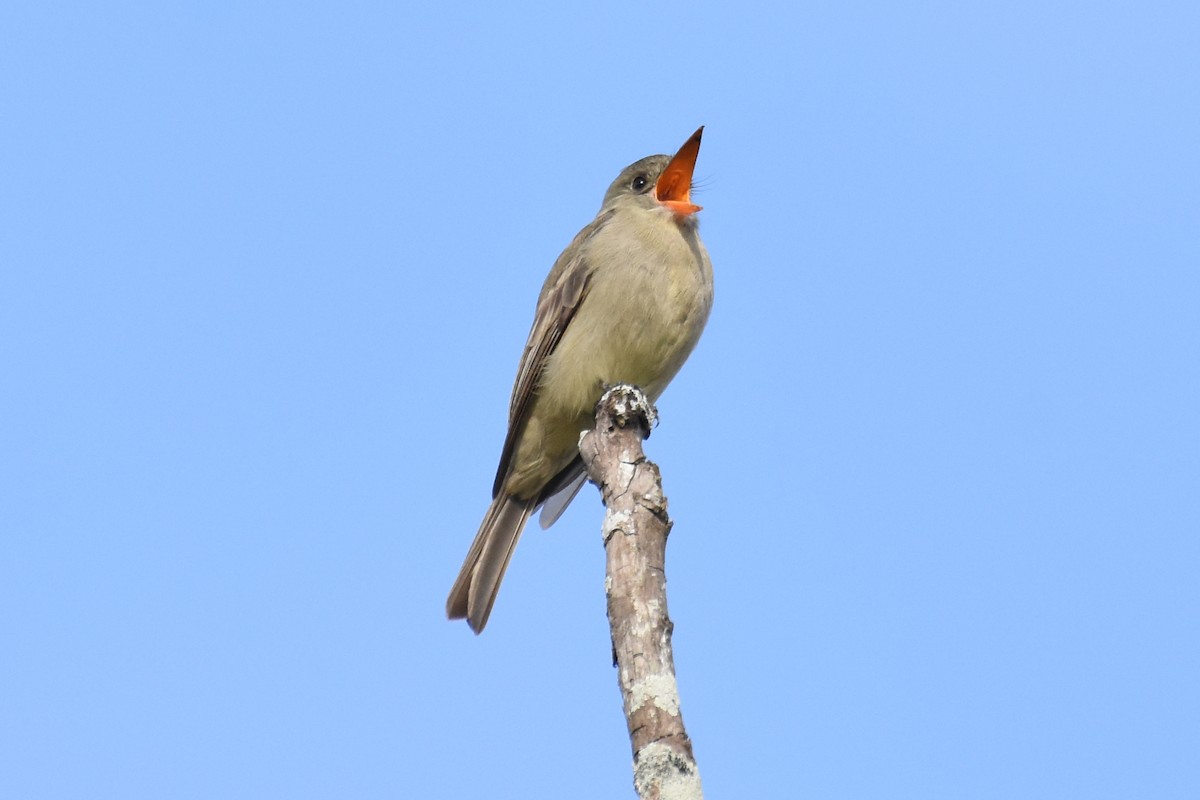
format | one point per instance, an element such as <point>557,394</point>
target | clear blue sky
<point>265,274</point>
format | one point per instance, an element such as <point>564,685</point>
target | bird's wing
<point>563,292</point>
<point>561,491</point>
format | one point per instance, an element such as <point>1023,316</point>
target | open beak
<point>674,186</point>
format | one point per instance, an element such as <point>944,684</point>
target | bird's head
<point>660,181</point>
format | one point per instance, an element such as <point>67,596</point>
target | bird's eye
<point>639,183</point>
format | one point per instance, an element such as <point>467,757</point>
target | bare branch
<point>635,542</point>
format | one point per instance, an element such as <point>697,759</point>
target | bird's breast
<point>648,298</point>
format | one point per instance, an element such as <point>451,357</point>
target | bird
<point>625,302</point>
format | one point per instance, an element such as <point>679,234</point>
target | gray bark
<point>635,542</point>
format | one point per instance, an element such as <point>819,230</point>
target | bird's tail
<point>478,581</point>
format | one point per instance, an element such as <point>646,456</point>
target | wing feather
<point>562,294</point>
